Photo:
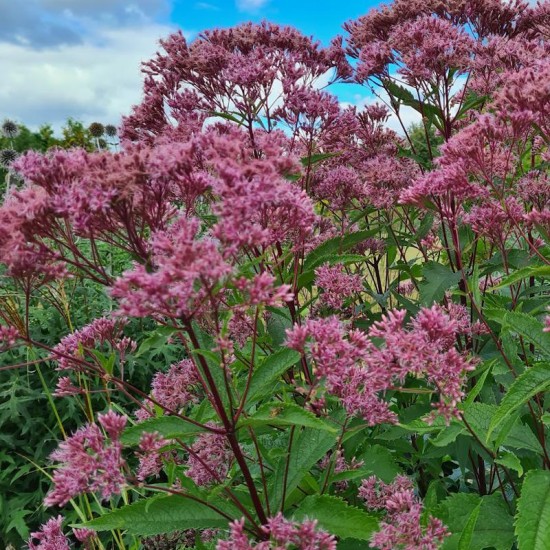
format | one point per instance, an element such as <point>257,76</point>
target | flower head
<point>50,536</point>
<point>7,156</point>
<point>402,526</point>
<point>88,462</point>
<point>96,129</point>
<point>9,129</point>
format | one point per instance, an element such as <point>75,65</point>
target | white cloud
<point>98,79</point>
<point>46,23</point>
<point>251,5</point>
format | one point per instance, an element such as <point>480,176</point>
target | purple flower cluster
<point>174,389</point>
<point>283,534</point>
<point>50,536</point>
<point>99,331</point>
<point>402,527</point>
<point>210,460</point>
<point>89,462</point>
<point>359,371</point>
<point>337,285</point>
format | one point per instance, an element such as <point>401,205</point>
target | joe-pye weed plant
<point>356,316</point>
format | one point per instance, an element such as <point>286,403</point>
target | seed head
<point>7,156</point>
<point>111,130</point>
<point>96,129</point>
<point>9,129</point>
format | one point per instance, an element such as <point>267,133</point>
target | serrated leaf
<point>530,329</point>
<point>437,278</point>
<point>533,517</point>
<point>168,427</point>
<point>229,116</point>
<point>534,380</point>
<point>277,324</point>
<point>155,340</point>
<point>523,273</point>
<point>511,461</point>
<point>474,392</point>
<point>465,541</point>
<point>447,435</point>
<point>269,371</point>
<point>285,414</point>
<point>493,528</point>
<point>158,515</point>
<point>337,517</point>
<point>479,416</point>
<point>381,462</point>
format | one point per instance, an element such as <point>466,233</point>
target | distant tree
<point>16,138</point>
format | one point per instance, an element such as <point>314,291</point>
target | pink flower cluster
<point>337,285</point>
<point>99,331</point>
<point>8,336</point>
<point>88,462</point>
<point>402,527</point>
<point>174,389</point>
<point>210,460</point>
<point>150,459</point>
<point>237,69</point>
<point>283,534</point>
<point>50,536</point>
<point>359,371</point>
<point>340,465</point>
<point>179,260</point>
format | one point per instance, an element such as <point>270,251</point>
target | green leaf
<point>158,515</point>
<point>308,447</point>
<point>228,116</point>
<point>381,462</point>
<point>269,371</point>
<point>523,273</point>
<point>277,324</point>
<point>493,527</point>
<point>425,226</point>
<point>285,414</point>
<point>337,245</point>
<point>474,392</point>
<point>406,97</point>
<point>473,101</point>
<point>465,541</point>
<point>534,380</point>
<point>437,279</point>
<point>337,517</point>
<point>314,159</point>
<point>517,436</point>
<point>447,435</point>
<point>168,427</point>
<point>533,517</point>
<point>530,329</point>
<point>511,461</point>
<point>156,340</point>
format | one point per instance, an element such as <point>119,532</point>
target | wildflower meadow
<point>253,317</point>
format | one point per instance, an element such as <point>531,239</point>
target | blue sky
<point>81,58</point>
<point>322,19</point>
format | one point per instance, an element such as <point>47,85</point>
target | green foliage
<point>477,522</point>
<point>337,517</point>
<point>160,514</point>
<point>533,517</point>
